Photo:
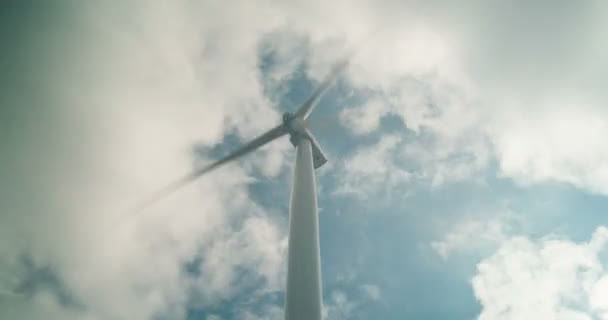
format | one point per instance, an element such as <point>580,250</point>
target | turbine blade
<point>261,140</point>
<point>305,110</point>
<point>318,157</point>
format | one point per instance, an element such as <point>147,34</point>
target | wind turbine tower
<point>303,296</point>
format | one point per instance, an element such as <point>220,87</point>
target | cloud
<point>549,278</point>
<point>475,235</point>
<point>532,106</point>
<point>148,84</point>
<point>541,107</point>
<point>371,169</point>
<point>267,313</point>
<point>365,118</point>
<point>258,246</point>
<point>339,306</point>
<point>372,291</point>
<point>558,141</point>
<point>443,140</point>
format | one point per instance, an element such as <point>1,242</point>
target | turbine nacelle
<point>294,124</point>
<point>297,128</point>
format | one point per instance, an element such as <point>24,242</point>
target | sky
<point>467,174</point>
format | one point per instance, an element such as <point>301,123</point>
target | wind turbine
<point>303,299</point>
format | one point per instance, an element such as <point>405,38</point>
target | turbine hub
<point>296,127</point>
<point>293,123</point>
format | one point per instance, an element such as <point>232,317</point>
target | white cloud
<point>372,291</point>
<point>544,279</point>
<point>365,118</point>
<point>371,169</point>
<point>444,140</point>
<point>270,312</point>
<point>597,297</point>
<point>339,306</point>
<point>536,107</point>
<point>150,82</point>
<point>258,246</point>
<point>474,235</point>
<point>558,140</point>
